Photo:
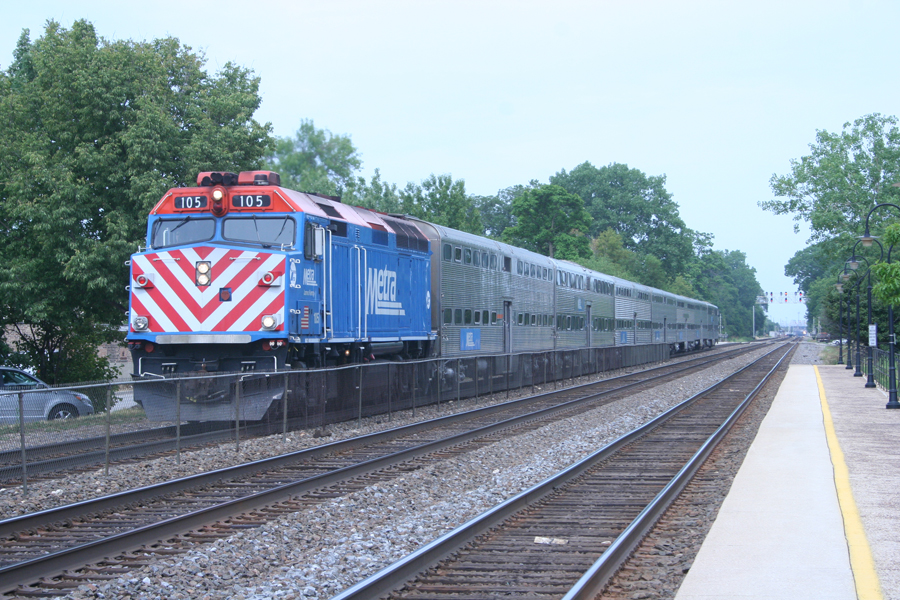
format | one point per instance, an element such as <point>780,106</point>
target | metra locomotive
<point>242,275</point>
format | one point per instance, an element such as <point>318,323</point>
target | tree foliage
<point>94,133</point>
<point>315,160</point>
<point>635,206</point>
<point>725,279</point>
<point>375,194</point>
<point>551,221</point>
<point>844,176</point>
<point>497,211</point>
<point>442,200</point>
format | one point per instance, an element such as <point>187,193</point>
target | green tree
<point>725,279</point>
<point>315,160</point>
<point>611,257</point>
<point>635,206</point>
<point>441,200</point>
<point>844,176</point>
<point>376,194</point>
<point>497,211</point>
<point>551,221</point>
<point>94,132</point>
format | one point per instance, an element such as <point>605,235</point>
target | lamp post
<point>867,241</point>
<point>892,371</point>
<point>854,264</point>
<point>845,276</point>
<point>858,372</point>
<point>840,288</point>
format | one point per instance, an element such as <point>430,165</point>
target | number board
<point>251,201</point>
<point>189,202</point>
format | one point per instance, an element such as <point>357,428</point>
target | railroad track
<point>565,537</point>
<point>33,551</point>
<point>50,460</point>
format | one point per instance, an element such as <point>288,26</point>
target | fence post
<point>508,360</point>
<point>476,377</point>
<point>458,379</point>
<point>531,370</point>
<point>22,441</point>
<point>491,378</point>
<point>108,418</point>
<point>237,415</point>
<point>284,409</point>
<point>359,414</point>
<point>178,422</point>
<point>555,368</point>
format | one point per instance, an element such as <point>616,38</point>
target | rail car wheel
<point>62,411</point>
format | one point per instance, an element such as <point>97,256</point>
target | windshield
<point>268,231</point>
<point>177,232</point>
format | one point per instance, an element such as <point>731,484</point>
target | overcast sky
<point>716,96</point>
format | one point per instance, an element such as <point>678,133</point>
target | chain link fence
<point>103,423</point>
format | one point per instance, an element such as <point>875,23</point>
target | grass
<point>829,355</point>
<point>120,417</point>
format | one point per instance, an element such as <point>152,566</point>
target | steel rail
<point>595,578</point>
<point>403,570</point>
<point>81,458</point>
<point>29,521</point>
<point>14,575</point>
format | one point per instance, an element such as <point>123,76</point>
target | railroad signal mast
<point>784,298</point>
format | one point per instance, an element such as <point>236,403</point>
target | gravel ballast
<point>318,552</point>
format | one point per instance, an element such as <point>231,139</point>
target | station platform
<point>812,512</point>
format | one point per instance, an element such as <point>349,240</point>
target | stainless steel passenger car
<point>491,298</point>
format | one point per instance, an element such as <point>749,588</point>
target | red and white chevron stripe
<point>175,303</point>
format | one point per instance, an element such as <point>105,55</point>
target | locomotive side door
<point>307,280</point>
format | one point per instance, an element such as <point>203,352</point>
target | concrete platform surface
<point>781,531</point>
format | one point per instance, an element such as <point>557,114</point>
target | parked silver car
<point>40,400</point>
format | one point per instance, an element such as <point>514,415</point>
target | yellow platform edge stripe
<point>861,562</point>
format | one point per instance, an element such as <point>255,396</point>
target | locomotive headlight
<point>202,274</point>
<point>141,323</point>
<point>269,322</point>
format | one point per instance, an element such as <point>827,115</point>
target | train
<point>242,275</point>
